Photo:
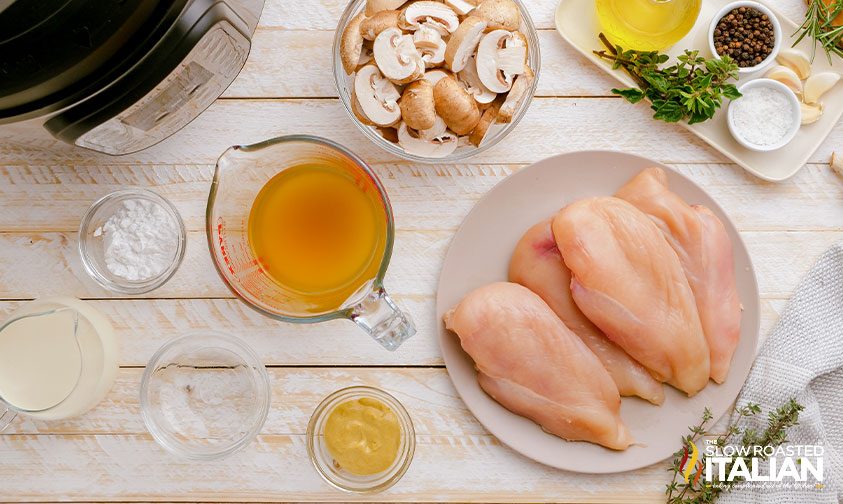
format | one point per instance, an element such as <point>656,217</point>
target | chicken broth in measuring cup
<point>301,229</point>
<point>319,231</point>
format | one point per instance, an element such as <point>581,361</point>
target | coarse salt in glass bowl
<point>205,395</point>
<point>496,132</point>
<point>92,242</point>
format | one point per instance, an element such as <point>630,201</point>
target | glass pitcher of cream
<point>301,230</point>
<point>58,359</point>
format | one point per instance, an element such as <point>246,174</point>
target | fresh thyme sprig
<point>706,492</point>
<point>819,26</point>
<point>692,89</point>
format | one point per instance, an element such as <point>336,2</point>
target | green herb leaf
<point>690,90</point>
<point>819,26</point>
<point>631,95</point>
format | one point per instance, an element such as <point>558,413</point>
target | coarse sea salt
<point>763,116</point>
<point>140,240</point>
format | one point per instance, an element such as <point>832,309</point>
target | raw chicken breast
<point>529,362</point>
<point>629,282</point>
<point>705,251</point>
<point>537,264</point>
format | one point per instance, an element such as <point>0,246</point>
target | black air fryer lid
<point>53,52</point>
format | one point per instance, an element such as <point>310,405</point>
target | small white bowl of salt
<point>766,117</point>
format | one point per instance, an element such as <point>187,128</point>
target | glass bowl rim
<point>533,55</point>
<point>263,391</point>
<point>335,398</point>
<point>117,285</point>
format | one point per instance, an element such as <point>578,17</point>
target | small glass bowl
<point>495,134</point>
<point>777,33</point>
<point>92,250</point>
<point>337,476</point>
<point>204,395</point>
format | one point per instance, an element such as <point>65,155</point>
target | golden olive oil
<point>647,25</point>
<point>318,233</point>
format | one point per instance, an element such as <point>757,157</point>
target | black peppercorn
<point>746,35</point>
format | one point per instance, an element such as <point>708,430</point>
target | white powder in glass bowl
<point>763,116</point>
<point>140,240</point>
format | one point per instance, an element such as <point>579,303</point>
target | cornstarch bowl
<point>132,241</point>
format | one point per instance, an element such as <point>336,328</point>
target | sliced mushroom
<point>430,44</point>
<point>500,14</point>
<point>366,55</point>
<point>462,7</point>
<point>487,119</point>
<point>435,76</point>
<point>418,109</point>
<point>358,110</point>
<point>456,107</point>
<point>520,90</point>
<point>463,42</point>
<point>375,6</point>
<point>439,128</point>
<point>396,55</point>
<point>371,27</point>
<point>469,78</point>
<point>389,134</point>
<point>437,147</point>
<point>351,44</point>
<point>376,96</point>
<point>435,14</point>
<point>499,57</point>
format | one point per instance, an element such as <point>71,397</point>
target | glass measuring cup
<point>242,172</point>
<point>58,359</point>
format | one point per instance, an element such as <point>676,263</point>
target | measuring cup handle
<point>7,416</point>
<point>379,316</point>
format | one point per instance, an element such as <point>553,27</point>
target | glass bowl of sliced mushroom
<point>436,80</point>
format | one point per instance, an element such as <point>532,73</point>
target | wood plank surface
<point>286,87</point>
<point>39,198</point>
<point>142,326</point>
<point>551,126</point>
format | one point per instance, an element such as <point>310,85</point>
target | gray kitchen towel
<point>803,359</point>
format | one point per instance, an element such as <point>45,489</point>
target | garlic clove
<point>818,84</point>
<point>796,60</point>
<point>836,163</point>
<point>811,112</point>
<point>787,77</point>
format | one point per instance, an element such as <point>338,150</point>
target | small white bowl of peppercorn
<point>748,32</point>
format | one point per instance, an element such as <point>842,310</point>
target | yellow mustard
<point>363,436</point>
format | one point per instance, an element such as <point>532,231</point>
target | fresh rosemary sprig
<point>819,26</point>
<point>693,89</point>
<point>706,492</point>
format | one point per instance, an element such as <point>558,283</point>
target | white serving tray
<point>576,21</point>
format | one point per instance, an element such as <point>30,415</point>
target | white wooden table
<point>287,87</point>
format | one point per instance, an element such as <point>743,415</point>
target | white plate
<point>576,21</point>
<point>479,254</point>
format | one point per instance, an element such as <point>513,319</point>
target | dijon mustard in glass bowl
<point>361,440</point>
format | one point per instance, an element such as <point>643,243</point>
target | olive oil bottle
<point>647,25</point>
